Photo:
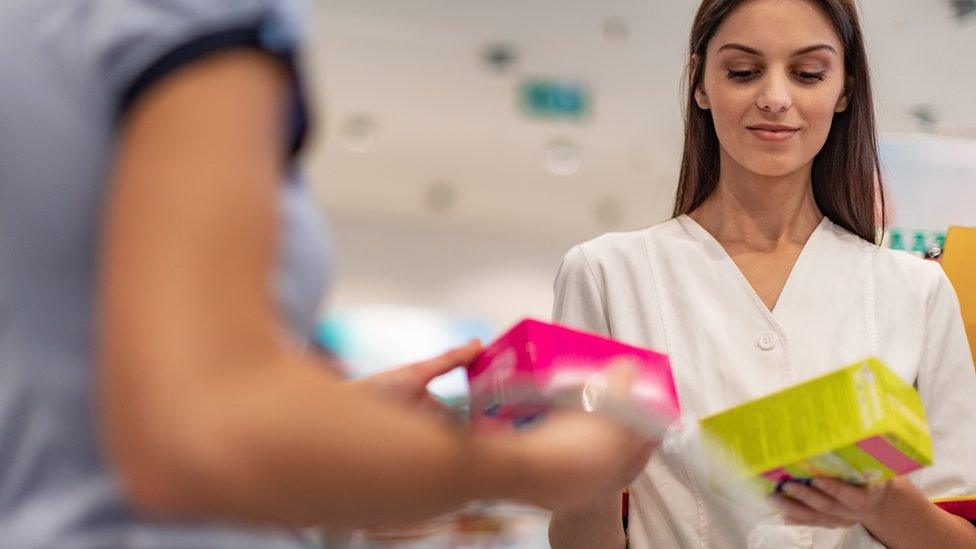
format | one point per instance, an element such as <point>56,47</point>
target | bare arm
<point>207,407</point>
<point>598,525</point>
<point>907,519</point>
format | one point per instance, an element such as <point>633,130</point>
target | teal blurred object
<point>896,241</point>
<point>554,99</point>
<point>375,338</point>
<point>918,242</point>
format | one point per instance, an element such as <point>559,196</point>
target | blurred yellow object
<point>959,262</point>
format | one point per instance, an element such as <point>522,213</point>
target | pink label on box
<point>882,450</point>
<point>777,475</point>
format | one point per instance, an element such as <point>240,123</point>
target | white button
<point>767,341</point>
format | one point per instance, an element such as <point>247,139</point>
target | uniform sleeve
<point>578,299</point>
<point>135,44</point>
<point>947,385</point>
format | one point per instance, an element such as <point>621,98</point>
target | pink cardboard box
<point>535,365</point>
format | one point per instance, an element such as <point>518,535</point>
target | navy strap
<point>266,34</point>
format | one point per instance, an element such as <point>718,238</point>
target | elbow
<point>170,470</point>
<point>158,491</point>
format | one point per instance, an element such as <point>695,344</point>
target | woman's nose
<point>774,95</point>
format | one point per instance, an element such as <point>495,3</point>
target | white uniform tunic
<point>673,288</point>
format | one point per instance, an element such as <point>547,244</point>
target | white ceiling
<point>442,117</point>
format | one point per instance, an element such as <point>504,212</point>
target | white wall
<point>442,264</point>
<point>931,180</point>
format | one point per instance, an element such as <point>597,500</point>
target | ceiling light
<point>563,158</point>
<point>359,134</point>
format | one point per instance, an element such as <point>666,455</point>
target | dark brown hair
<point>846,172</point>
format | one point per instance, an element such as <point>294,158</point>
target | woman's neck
<point>760,211</point>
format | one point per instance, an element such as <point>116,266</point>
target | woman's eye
<point>742,75</point>
<point>811,77</point>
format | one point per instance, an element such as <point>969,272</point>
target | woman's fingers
<point>410,382</point>
<point>853,497</point>
<point>461,356</point>
<point>797,513</point>
<point>817,500</point>
<point>620,377</point>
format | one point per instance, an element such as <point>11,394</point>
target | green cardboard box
<point>860,424</point>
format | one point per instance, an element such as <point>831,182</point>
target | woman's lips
<point>773,132</point>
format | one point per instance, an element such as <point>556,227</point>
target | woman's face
<point>774,77</point>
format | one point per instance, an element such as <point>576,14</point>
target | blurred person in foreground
<point>160,267</point>
<point>770,274</point>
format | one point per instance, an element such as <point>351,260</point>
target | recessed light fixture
<point>608,213</point>
<point>440,197</point>
<point>500,57</point>
<point>359,134</point>
<point>616,30</point>
<point>563,158</point>
<point>925,116</point>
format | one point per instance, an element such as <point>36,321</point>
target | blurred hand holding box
<point>536,366</point>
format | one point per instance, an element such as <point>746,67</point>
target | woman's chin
<point>774,167</point>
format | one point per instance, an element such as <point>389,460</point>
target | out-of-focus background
<point>464,146</point>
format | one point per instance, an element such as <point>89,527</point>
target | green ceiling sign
<point>555,99</point>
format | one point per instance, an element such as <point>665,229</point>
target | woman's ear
<point>701,98</point>
<point>845,98</point>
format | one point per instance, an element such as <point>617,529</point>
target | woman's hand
<point>896,512</point>
<point>589,456</point>
<point>578,458</point>
<point>408,384</point>
<point>830,503</point>
<point>570,459</point>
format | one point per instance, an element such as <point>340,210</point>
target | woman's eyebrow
<point>754,51</point>
<point>818,47</point>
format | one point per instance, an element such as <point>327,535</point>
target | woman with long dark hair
<point>769,274</point>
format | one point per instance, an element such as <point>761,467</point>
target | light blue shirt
<point>69,69</point>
